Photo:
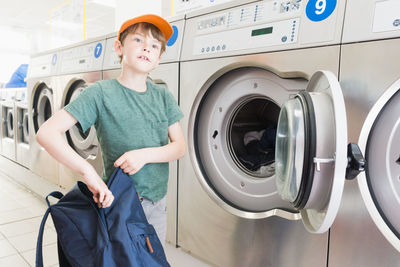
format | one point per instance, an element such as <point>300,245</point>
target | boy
<point>133,119</point>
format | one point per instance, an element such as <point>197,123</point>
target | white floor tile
<point>13,261</point>
<point>50,256</point>
<point>31,200</point>
<point>9,205</point>
<point>18,228</point>
<point>15,215</point>
<point>6,249</point>
<point>28,241</point>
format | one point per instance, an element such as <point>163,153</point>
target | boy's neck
<point>136,82</point>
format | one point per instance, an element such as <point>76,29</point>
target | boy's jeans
<point>156,214</point>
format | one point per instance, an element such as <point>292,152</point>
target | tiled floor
<point>20,215</point>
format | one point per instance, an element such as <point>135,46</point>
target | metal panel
<point>364,75</point>
<point>204,228</point>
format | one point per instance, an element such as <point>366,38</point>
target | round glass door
<point>311,151</point>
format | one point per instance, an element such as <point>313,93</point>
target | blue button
<point>396,23</point>
<point>208,49</point>
<point>174,36</point>
<point>223,47</point>
<point>218,48</point>
<point>213,48</point>
<point>202,50</point>
<point>284,39</point>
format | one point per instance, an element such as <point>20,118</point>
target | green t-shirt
<point>126,120</point>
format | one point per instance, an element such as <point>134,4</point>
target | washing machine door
<point>10,123</point>
<point>84,143</point>
<point>42,105</point>
<point>311,151</point>
<point>380,183</point>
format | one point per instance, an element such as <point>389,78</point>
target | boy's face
<point>141,52</point>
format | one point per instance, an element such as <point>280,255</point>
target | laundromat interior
<point>291,118</point>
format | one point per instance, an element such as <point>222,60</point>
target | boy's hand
<point>101,194</point>
<point>132,161</point>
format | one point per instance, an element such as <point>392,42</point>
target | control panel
<point>236,30</point>
<point>263,26</point>
<point>269,34</point>
<point>371,20</point>
<point>83,58</point>
<point>43,66</point>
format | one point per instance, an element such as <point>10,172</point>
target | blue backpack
<point>89,236</point>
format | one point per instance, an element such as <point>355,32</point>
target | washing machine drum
<point>84,143</point>
<point>380,184</point>
<point>234,128</point>
<point>10,123</point>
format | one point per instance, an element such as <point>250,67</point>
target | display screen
<point>261,31</point>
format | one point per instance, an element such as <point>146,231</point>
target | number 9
<point>320,6</point>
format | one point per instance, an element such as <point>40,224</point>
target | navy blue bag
<point>89,236</point>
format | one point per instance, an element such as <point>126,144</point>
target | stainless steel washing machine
<point>80,66</point>
<point>41,106</point>
<point>8,123</point>
<point>166,75</point>
<point>367,229</point>
<point>22,130</point>
<point>239,66</point>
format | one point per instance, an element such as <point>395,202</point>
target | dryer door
<point>380,184</point>
<point>311,151</point>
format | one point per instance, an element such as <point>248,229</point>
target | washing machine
<point>245,74</point>
<point>22,129</point>
<point>367,229</point>
<point>166,75</point>
<point>41,106</point>
<point>8,123</point>
<point>80,66</point>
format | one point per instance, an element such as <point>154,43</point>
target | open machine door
<point>380,184</point>
<point>311,151</point>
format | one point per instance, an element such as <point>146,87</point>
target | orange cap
<point>157,21</point>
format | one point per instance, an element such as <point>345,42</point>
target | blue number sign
<point>318,10</point>
<point>97,50</point>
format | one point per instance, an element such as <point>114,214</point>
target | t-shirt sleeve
<point>87,106</point>
<point>174,112</point>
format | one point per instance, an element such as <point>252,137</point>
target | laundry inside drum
<point>252,135</point>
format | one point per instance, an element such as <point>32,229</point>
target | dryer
<point>80,66</point>
<point>239,66</point>
<point>8,122</point>
<point>367,230</point>
<point>41,106</point>
<point>166,75</point>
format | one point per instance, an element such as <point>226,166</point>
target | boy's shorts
<point>156,214</point>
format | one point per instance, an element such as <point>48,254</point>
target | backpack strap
<point>39,252</point>
<point>56,194</point>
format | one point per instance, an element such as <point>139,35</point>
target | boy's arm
<point>132,161</point>
<point>50,136</point>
